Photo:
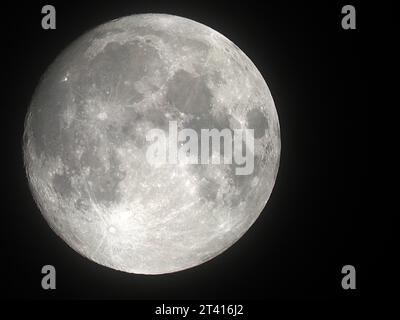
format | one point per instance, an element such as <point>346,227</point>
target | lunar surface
<point>85,144</point>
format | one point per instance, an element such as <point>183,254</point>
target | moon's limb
<point>84,144</point>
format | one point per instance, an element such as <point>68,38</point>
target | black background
<point>316,221</point>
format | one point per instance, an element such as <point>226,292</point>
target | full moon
<point>85,144</point>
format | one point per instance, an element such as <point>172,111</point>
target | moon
<point>85,144</point>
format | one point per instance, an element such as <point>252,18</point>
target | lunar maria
<point>104,106</point>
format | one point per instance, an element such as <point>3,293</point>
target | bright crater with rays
<point>85,144</point>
